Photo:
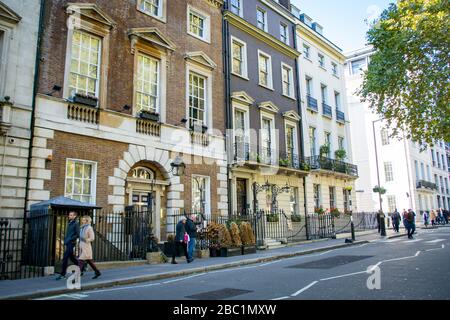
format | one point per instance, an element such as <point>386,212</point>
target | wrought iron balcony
<point>340,116</point>
<point>312,103</point>
<point>422,184</point>
<point>324,163</point>
<point>293,161</point>
<point>327,111</point>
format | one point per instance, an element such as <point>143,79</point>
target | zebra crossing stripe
<point>436,241</point>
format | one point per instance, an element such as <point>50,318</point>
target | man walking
<point>179,240</point>
<point>396,220</point>
<point>191,230</point>
<point>412,223</point>
<point>70,241</point>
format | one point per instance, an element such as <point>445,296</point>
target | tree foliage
<point>407,81</point>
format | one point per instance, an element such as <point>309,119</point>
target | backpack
<point>410,217</point>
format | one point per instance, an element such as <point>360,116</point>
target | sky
<point>343,20</point>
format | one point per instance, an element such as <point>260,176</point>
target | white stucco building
<point>408,174</point>
<point>19,24</point>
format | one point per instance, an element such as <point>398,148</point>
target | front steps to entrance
<point>273,244</point>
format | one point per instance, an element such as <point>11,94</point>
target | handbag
<point>186,238</point>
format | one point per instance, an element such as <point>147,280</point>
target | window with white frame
<point>309,86</point>
<point>266,138</point>
<point>422,170</point>
<point>428,173</point>
<point>198,24</point>
<point>239,57</point>
<point>240,132</point>
<point>85,64</point>
<point>284,33</point>
<point>293,201</point>
<point>291,144</point>
<point>341,144</point>
<point>337,100</point>
<point>197,99</point>
<point>328,142</point>
<point>2,57</point>
<point>151,7</point>
<point>317,198</point>
<point>388,172</point>
<point>265,70</point>
<point>332,191</point>
<point>384,137</point>
<point>392,203</point>
<point>306,51</point>
<point>323,93</point>
<point>200,195</point>
<point>236,7</point>
<point>334,69</point>
<point>321,59</point>
<point>80,180</point>
<point>359,65</point>
<point>416,167</point>
<point>287,80</point>
<point>312,141</point>
<point>147,84</point>
<point>347,199</point>
<point>261,18</point>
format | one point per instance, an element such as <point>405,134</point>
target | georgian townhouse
<point>263,109</point>
<point>326,128</point>
<point>126,87</point>
<point>440,174</point>
<point>19,28</point>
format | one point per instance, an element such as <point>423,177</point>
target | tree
<point>407,81</point>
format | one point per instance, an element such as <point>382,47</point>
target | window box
<point>152,116</point>
<point>85,99</point>
<point>199,128</point>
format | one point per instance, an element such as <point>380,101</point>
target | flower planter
<point>213,252</point>
<point>249,249</point>
<point>88,101</point>
<point>230,252</point>
<point>203,254</point>
<point>149,116</point>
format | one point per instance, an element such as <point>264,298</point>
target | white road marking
<point>435,241</point>
<point>392,240</point>
<point>281,298</point>
<point>343,275</point>
<point>442,247</point>
<point>124,288</point>
<point>412,241</point>
<point>304,289</point>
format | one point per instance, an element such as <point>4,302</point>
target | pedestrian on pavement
<point>446,213</point>
<point>70,241</point>
<point>379,221</point>
<point>179,240</point>
<point>405,221</point>
<point>440,216</point>
<point>191,230</point>
<point>425,219</point>
<point>87,236</point>
<point>433,218</point>
<point>412,223</point>
<point>396,218</point>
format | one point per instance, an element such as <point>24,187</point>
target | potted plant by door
<point>85,99</point>
<point>213,236</point>
<point>226,243</point>
<point>247,238</point>
<point>149,115</point>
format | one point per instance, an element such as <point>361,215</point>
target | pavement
<point>382,268</point>
<point>47,286</point>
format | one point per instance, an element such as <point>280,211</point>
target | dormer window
<point>154,8</point>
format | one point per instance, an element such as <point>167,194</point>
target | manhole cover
<point>329,263</point>
<point>218,294</point>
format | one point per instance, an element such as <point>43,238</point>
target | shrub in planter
<point>246,233</point>
<point>235,236</point>
<point>272,217</point>
<point>319,210</point>
<point>283,162</point>
<point>296,218</point>
<point>224,236</point>
<point>340,154</point>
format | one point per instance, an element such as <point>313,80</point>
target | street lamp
<point>178,166</point>
<point>382,223</point>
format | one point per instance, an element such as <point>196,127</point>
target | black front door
<point>241,196</point>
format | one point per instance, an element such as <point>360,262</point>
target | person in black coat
<point>179,240</point>
<point>70,241</point>
<point>191,229</point>
<point>396,220</point>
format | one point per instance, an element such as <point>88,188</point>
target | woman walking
<point>86,238</point>
<point>433,217</point>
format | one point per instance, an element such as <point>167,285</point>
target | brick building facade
<point>132,86</point>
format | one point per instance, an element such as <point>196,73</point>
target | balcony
<point>312,104</point>
<point>244,152</point>
<point>148,127</point>
<point>327,111</point>
<point>83,113</point>
<point>340,116</point>
<point>422,184</point>
<point>328,164</point>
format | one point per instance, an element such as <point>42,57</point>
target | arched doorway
<point>145,190</point>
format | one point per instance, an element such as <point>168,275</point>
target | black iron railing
<point>327,110</point>
<point>293,161</point>
<point>312,104</point>
<point>340,116</point>
<point>427,185</point>
<point>324,163</point>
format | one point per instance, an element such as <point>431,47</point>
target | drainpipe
<point>228,114</point>
<point>299,110</point>
<point>33,106</point>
